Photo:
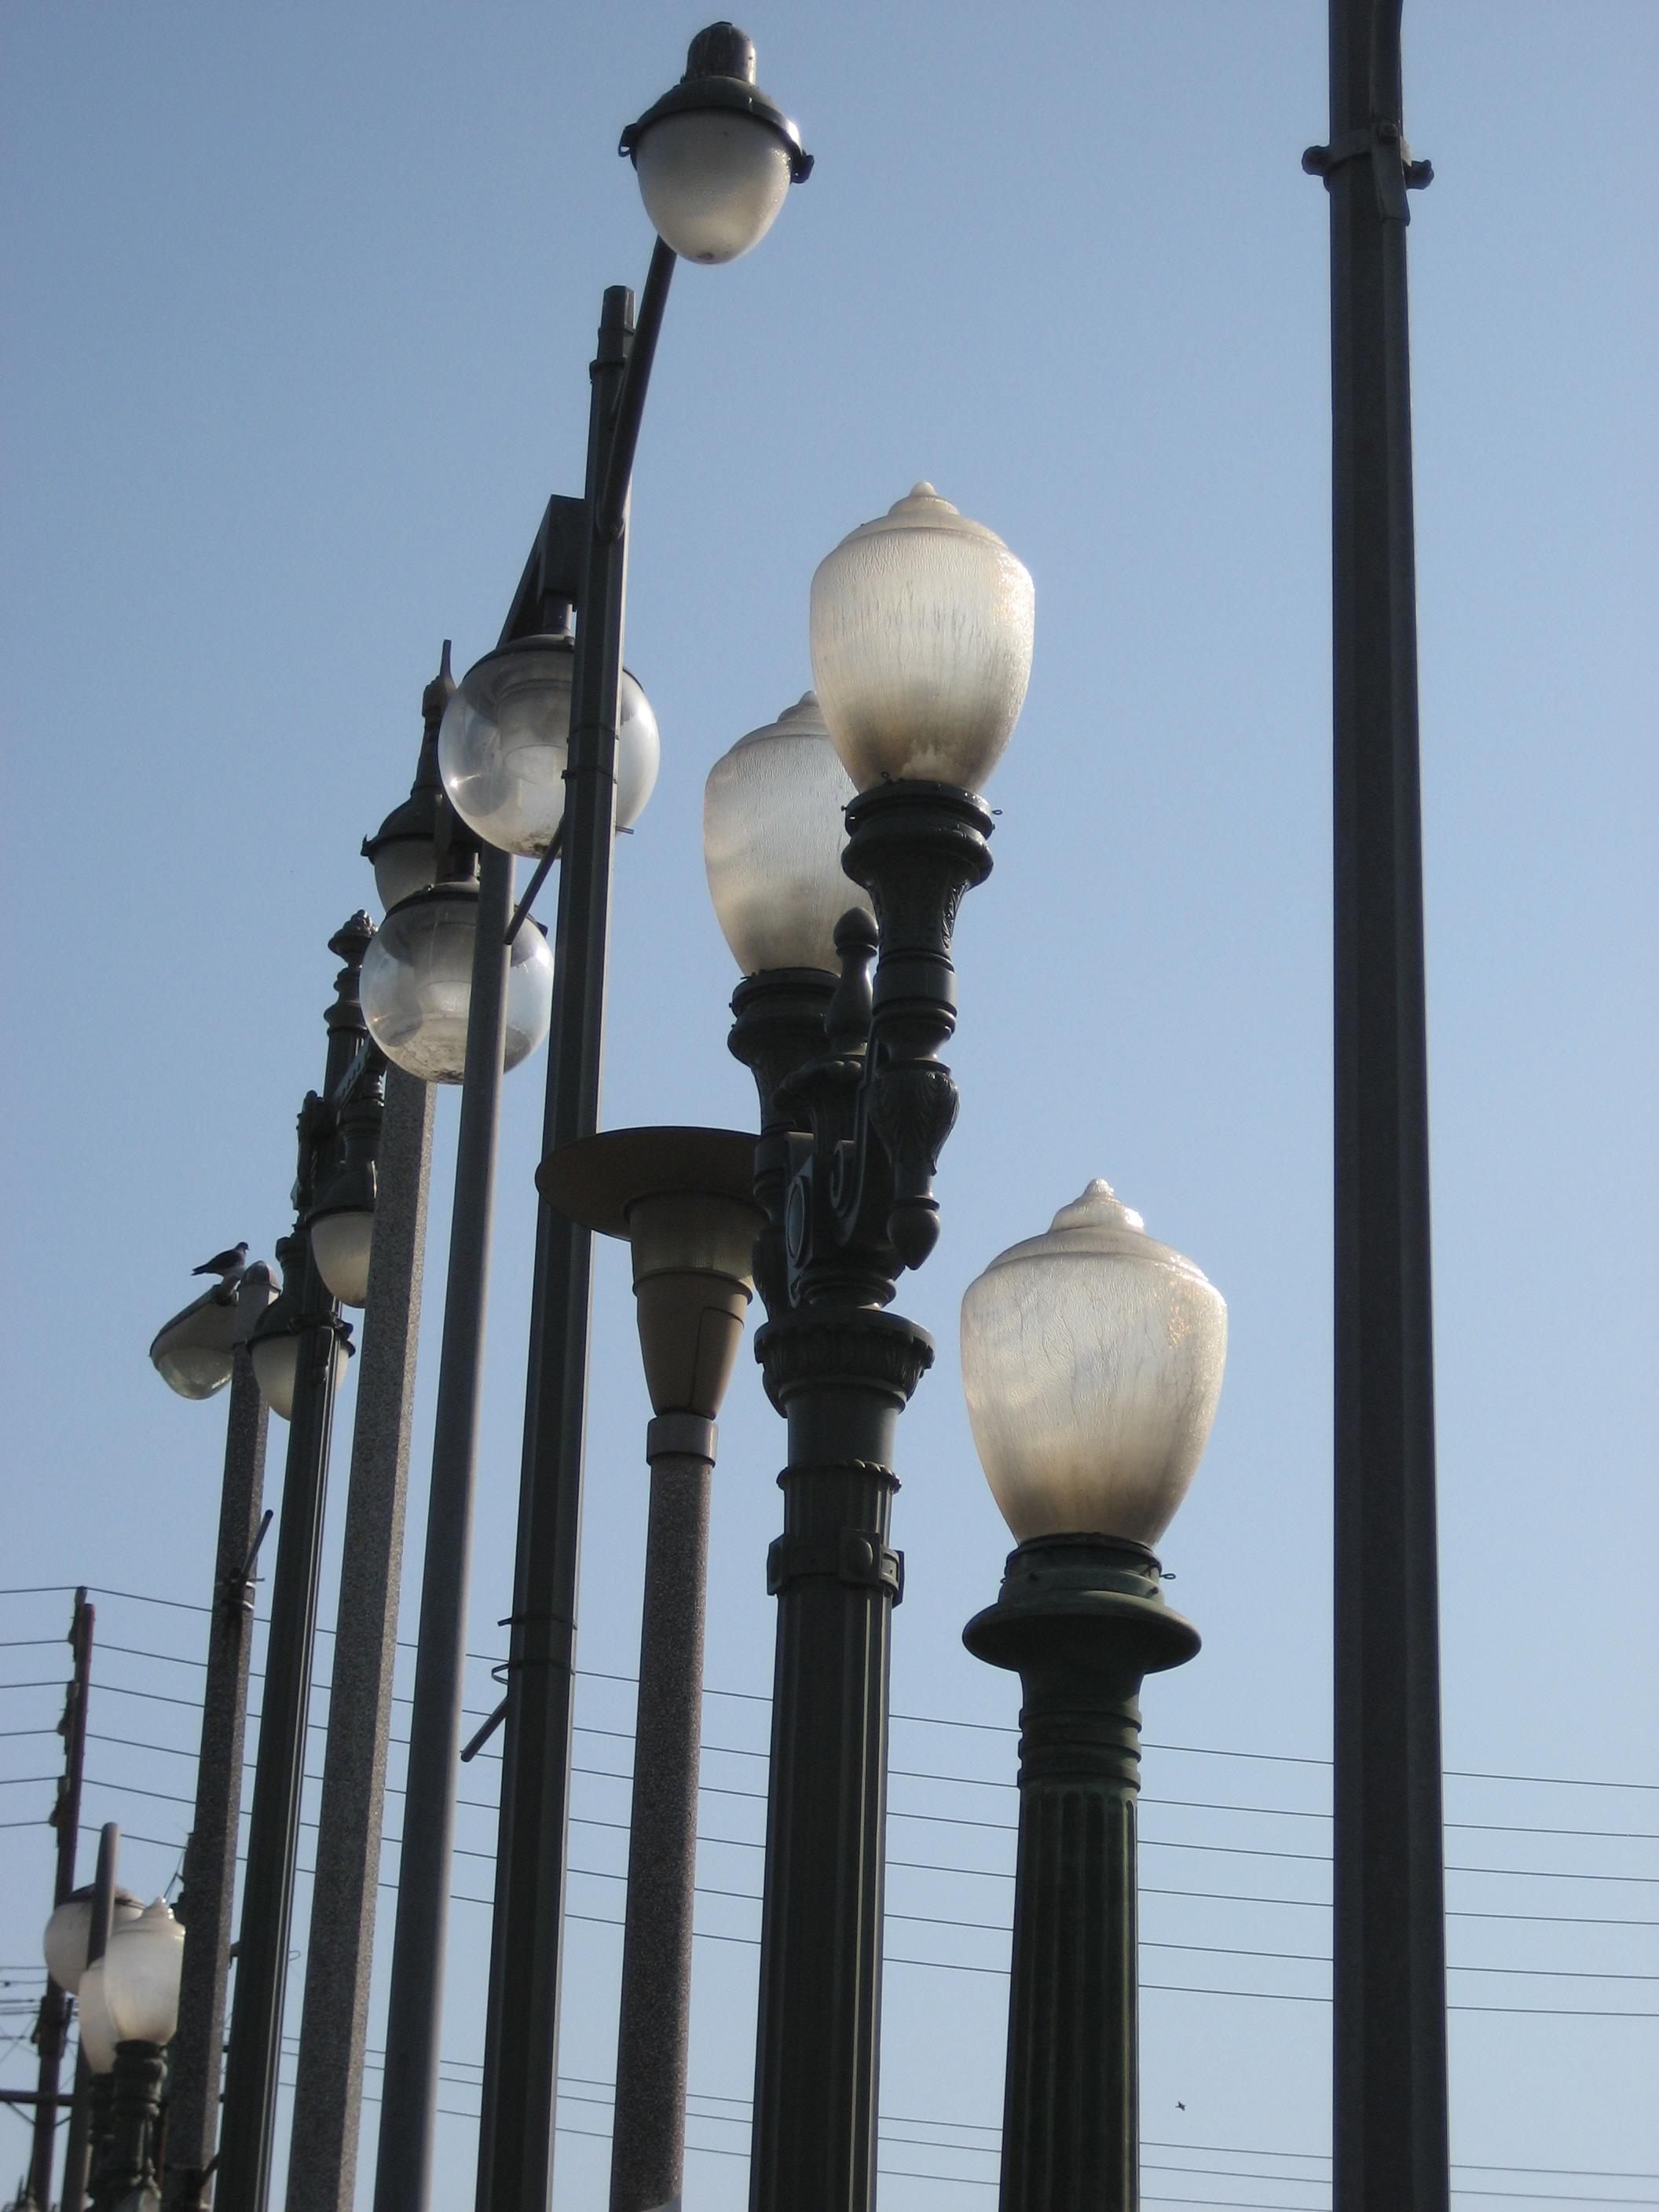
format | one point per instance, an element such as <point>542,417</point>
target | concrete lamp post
<point>684,1200</point>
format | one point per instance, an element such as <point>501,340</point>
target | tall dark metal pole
<point>345,1888</point>
<point>402,2173</point>
<point>52,2025</point>
<point>515,2151</point>
<point>244,2173</point>
<point>206,1903</point>
<point>1390,1984</point>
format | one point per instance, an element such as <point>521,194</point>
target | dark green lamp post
<point>1091,1357</point>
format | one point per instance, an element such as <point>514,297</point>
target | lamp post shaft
<point>334,2018</point>
<point>248,2128</point>
<point>206,1904</point>
<point>841,1375</point>
<point>1390,2145</point>
<point>403,2172</point>
<point>647,2154</point>
<point>515,2152</point>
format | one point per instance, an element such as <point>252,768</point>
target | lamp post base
<point>1082,1620</point>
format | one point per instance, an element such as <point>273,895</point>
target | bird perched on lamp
<point>228,1266</point>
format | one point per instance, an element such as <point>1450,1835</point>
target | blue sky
<point>301,306</point>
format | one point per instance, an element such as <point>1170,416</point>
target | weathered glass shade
<point>141,1968</point>
<point>98,2036</point>
<point>195,1352</point>
<point>417,985</point>
<point>343,1242</point>
<point>1091,1360</point>
<point>67,1933</point>
<point>403,865</point>
<point>921,627</point>
<point>773,834</point>
<point>713,182</point>
<point>276,1368</point>
<point>505,735</point>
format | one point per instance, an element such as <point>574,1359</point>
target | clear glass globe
<point>713,180</point>
<point>417,984</point>
<point>921,629</point>
<point>504,740</point>
<point>773,829</point>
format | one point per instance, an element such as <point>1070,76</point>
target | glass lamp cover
<point>712,180</point>
<point>921,628</point>
<point>403,865</point>
<point>1092,1360</point>
<point>417,984</point>
<point>505,734</point>
<point>98,2036</point>
<point>193,1370</point>
<point>343,1243</point>
<point>68,1929</point>
<point>141,1976</point>
<point>773,834</point>
<point>276,1369</point>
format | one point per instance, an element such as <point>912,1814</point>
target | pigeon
<point>227,1266</point>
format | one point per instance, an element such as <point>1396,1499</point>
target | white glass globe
<point>504,739</point>
<point>773,829</point>
<point>98,2036</point>
<point>277,1367</point>
<point>1092,1360</point>
<point>344,1243</point>
<point>141,1968</point>
<point>921,627</point>
<point>713,180</point>
<point>68,1929</point>
<point>417,984</point>
<point>403,865</point>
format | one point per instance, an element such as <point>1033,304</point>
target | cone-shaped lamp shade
<point>505,736</point>
<point>417,984</point>
<point>921,629</point>
<point>141,1968</point>
<point>1092,1358</point>
<point>772,835</point>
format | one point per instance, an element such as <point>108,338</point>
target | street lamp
<point>714,158</point>
<point>417,984</point>
<point>195,1352</point>
<point>684,1200</point>
<point>856,1107</point>
<point>139,1974</point>
<point>1091,1362</point>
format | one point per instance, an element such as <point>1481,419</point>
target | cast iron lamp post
<point>715,158</point>
<point>139,1973</point>
<point>685,1200</point>
<point>1092,1360</point>
<point>921,626</point>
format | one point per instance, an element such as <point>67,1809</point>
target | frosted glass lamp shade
<point>403,865</point>
<point>98,2036</point>
<point>195,1352</point>
<point>1091,1360</point>
<point>713,182</point>
<point>773,834</point>
<point>505,735</point>
<point>417,985</point>
<point>921,628</point>
<point>68,1929</point>
<point>141,1976</point>
<point>276,1368</point>
<point>343,1242</point>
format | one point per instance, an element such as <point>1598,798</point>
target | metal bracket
<point>849,1557</point>
<point>1394,171</point>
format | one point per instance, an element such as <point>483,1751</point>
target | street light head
<point>274,1346</point>
<point>773,829</point>
<point>98,2036</point>
<point>1091,1361</point>
<point>417,984</point>
<point>341,1226</point>
<point>921,627</point>
<point>195,1353</point>
<point>715,157</point>
<point>141,1968</point>
<point>506,733</point>
<point>69,1928</point>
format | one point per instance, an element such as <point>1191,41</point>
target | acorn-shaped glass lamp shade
<point>276,1368</point>
<point>68,1931</point>
<point>417,984</point>
<point>141,1968</point>
<point>773,829</point>
<point>505,735</point>
<point>98,2036</point>
<point>715,157</point>
<point>1092,1360</point>
<point>921,628</point>
<point>343,1234</point>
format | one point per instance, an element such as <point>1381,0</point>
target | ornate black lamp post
<point>1092,1358</point>
<point>921,648</point>
<point>139,1975</point>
